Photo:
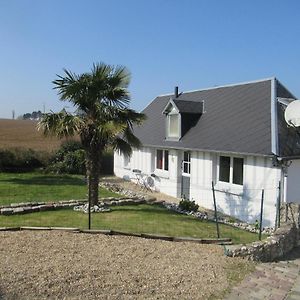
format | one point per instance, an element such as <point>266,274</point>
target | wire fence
<point>46,201</point>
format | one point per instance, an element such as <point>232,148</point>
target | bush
<point>188,205</point>
<point>21,159</point>
<point>69,158</point>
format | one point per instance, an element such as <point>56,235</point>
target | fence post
<point>215,206</point>
<point>89,214</point>
<point>89,206</point>
<point>261,213</point>
<point>278,204</point>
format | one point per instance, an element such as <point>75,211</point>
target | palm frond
<point>60,124</point>
<point>132,140</point>
<point>121,145</point>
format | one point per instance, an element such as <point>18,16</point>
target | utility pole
<point>13,114</point>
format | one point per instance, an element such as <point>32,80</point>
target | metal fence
<point>221,206</point>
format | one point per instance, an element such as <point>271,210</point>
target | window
<point>166,160</point>
<point>238,168</point>
<point>224,172</point>
<point>127,161</point>
<point>186,164</point>
<point>173,125</point>
<point>162,160</point>
<point>231,169</point>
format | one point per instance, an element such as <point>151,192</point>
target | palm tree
<point>102,117</point>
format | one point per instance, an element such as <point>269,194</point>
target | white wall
<point>244,202</point>
<point>293,182</point>
<point>144,160</point>
<point>240,201</point>
<point>141,159</point>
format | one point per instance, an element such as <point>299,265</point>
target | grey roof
<point>192,107</point>
<point>237,119</point>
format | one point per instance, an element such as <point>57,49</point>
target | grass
<point>36,187</point>
<point>235,272</point>
<point>138,219</point>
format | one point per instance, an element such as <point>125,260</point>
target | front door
<point>186,174</point>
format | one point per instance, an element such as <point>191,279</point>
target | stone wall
<point>282,241</point>
<point>290,213</point>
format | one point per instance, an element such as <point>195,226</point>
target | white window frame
<point>230,170</point>
<point>171,136</point>
<point>172,110</point>
<point>163,160</point>
<point>188,162</point>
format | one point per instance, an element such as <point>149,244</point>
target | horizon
<point>193,45</point>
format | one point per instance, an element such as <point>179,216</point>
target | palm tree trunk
<point>93,163</point>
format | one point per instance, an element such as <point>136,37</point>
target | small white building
<point>233,136</point>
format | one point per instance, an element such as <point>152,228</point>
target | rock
<point>95,208</point>
<point>27,209</point>
<point>7,211</point>
<point>47,207</point>
<point>18,210</point>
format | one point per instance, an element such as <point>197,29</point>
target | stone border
<point>31,207</point>
<point>221,241</point>
<point>282,241</point>
<point>131,198</point>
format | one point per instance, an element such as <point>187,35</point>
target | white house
<point>234,136</point>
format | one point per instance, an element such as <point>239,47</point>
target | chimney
<point>176,91</point>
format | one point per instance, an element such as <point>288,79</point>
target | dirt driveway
<point>64,265</point>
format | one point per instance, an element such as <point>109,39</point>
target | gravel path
<point>63,265</point>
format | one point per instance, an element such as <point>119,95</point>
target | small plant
<point>188,205</point>
<point>231,220</point>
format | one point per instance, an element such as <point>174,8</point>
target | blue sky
<point>164,43</point>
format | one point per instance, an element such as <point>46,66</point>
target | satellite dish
<point>292,113</point>
<point>150,182</point>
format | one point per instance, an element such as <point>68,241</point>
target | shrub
<point>70,158</point>
<point>188,205</point>
<point>21,159</point>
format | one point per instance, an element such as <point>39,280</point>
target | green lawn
<point>36,187</point>
<point>138,219</point>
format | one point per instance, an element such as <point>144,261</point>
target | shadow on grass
<point>144,209</point>
<point>46,180</point>
<point>160,210</point>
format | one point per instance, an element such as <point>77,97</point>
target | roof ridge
<point>222,86</point>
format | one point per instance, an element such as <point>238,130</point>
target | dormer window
<point>181,116</point>
<point>173,124</point>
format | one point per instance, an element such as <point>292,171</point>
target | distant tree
<point>103,118</point>
<point>35,115</point>
<point>27,116</point>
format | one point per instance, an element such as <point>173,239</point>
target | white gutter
<point>274,125</point>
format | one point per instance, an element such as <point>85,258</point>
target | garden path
<point>277,281</point>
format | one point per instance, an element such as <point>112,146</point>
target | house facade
<point>233,137</point>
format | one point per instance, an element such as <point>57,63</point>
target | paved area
<point>277,281</point>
